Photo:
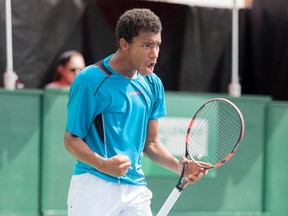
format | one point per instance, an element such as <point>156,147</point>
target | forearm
<point>116,166</point>
<point>80,150</point>
<point>159,154</point>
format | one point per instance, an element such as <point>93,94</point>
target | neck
<point>119,63</point>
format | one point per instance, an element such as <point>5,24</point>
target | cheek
<point>139,56</point>
<point>70,76</point>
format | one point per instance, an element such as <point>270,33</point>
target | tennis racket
<point>213,135</point>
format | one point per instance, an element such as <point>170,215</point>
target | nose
<point>154,52</point>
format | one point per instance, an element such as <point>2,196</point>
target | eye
<point>146,45</point>
<point>151,45</point>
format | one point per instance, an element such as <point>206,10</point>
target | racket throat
<point>181,184</point>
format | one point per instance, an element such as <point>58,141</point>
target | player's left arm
<point>157,152</point>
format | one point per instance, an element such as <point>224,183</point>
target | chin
<point>145,72</point>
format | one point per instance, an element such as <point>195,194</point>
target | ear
<point>124,45</point>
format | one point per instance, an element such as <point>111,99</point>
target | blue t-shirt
<point>124,107</point>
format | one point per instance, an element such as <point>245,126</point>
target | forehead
<point>77,60</point>
<point>148,37</point>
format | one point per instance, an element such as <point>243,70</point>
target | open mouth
<point>151,66</point>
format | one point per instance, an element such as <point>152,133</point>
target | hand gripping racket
<point>212,138</point>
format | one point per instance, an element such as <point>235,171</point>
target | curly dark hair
<point>137,20</point>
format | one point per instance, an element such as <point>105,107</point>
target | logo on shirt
<point>135,93</point>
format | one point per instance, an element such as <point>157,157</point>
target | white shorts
<point>92,196</point>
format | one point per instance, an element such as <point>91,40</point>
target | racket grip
<point>169,202</point>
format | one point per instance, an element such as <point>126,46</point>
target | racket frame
<point>228,157</point>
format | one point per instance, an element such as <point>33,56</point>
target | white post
<point>234,88</point>
<point>10,77</point>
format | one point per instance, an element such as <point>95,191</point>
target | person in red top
<point>68,66</point>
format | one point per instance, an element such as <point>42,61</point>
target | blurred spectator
<point>68,66</point>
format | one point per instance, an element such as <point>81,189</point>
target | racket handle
<point>169,202</point>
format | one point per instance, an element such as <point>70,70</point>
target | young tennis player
<point>112,119</point>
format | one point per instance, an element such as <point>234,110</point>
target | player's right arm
<point>115,166</point>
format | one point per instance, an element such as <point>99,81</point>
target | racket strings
<point>214,132</point>
<point>228,134</point>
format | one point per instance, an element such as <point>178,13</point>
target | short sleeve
<point>159,106</point>
<point>80,110</point>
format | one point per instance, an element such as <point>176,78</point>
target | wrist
<point>99,162</point>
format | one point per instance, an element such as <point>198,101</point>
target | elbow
<point>67,141</point>
<point>148,150</point>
